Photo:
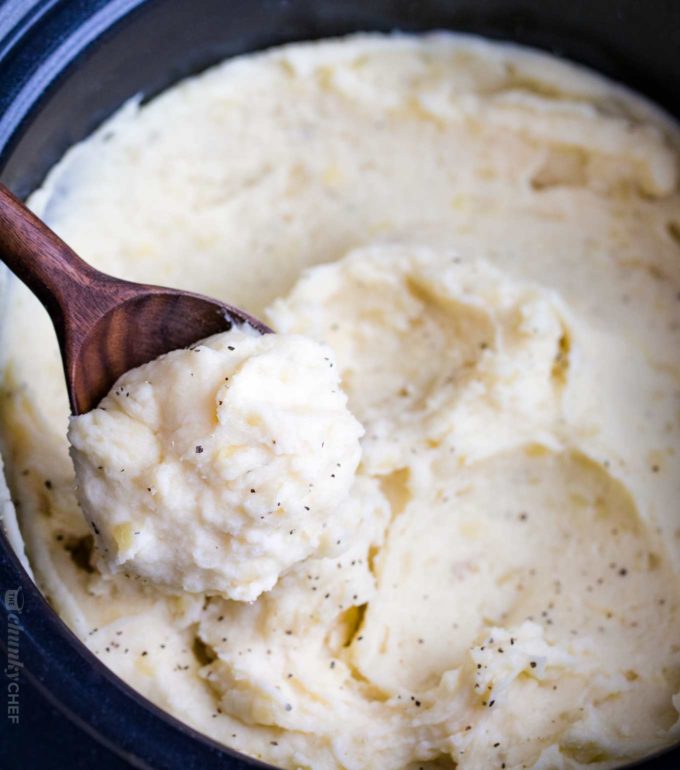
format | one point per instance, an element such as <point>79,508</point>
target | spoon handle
<point>40,259</point>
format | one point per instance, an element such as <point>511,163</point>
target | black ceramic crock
<point>65,65</point>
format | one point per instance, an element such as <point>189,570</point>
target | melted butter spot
<point>123,536</point>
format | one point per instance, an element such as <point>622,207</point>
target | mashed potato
<point>488,239</point>
<point>215,469</point>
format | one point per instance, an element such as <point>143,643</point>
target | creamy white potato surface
<point>215,469</point>
<point>488,239</point>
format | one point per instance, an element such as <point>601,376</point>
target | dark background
<point>45,740</point>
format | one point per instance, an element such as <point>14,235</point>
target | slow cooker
<point>66,65</point>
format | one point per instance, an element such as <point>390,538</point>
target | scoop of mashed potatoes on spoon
<point>216,468</point>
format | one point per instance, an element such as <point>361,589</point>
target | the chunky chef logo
<point>14,604</point>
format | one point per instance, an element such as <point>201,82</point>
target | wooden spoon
<point>105,326</point>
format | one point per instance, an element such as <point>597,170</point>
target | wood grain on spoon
<point>105,326</point>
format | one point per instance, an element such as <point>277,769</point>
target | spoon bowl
<point>105,326</point>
